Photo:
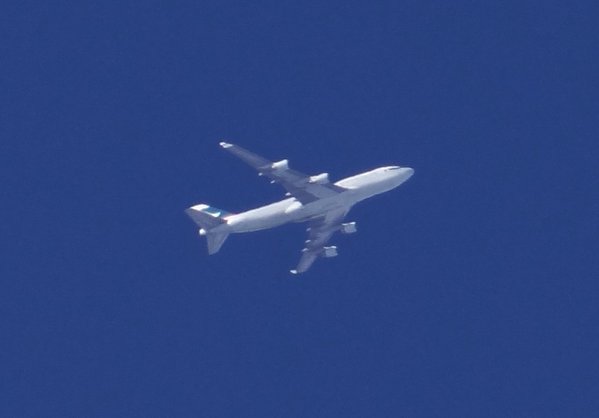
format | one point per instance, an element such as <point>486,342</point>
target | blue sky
<point>469,291</point>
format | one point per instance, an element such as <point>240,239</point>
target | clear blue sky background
<point>470,291</point>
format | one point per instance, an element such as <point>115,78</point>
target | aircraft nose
<point>401,174</point>
<point>407,172</point>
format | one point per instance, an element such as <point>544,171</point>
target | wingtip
<point>225,144</point>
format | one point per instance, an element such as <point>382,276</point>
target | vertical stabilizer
<point>209,218</point>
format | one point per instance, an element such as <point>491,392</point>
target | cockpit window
<point>393,168</point>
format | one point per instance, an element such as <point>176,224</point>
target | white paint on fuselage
<point>357,188</point>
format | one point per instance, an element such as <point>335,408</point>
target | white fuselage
<point>356,189</point>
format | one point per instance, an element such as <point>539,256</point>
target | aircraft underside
<point>312,199</point>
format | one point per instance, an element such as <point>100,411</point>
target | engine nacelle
<point>280,165</point>
<point>319,179</point>
<point>348,228</point>
<point>329,251</point>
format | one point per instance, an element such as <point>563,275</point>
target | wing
<point>320,231</point>
<point>301,186</point>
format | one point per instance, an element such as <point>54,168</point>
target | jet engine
<point>348,228</point>
<point>329,251</point>
<point>280,165</point>
<point>319,179</point>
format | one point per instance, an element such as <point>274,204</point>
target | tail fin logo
<point>212,211</point>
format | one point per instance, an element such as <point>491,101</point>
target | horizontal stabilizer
<point>215,241</point>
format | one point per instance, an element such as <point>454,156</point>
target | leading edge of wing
<point>320,231</point>
<point>254,160</point>
<point>296,183</point>
<point>308,258</point>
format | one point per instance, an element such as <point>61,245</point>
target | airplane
<point>312,199</point>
